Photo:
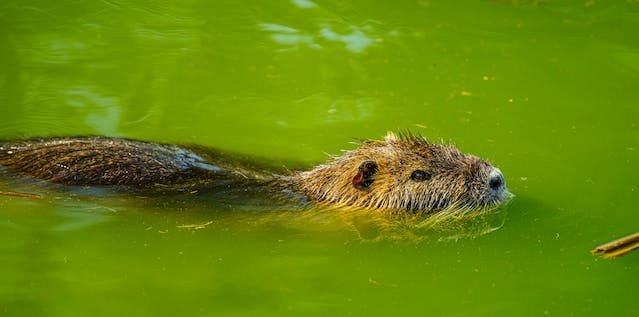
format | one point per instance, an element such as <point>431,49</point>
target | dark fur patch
<point>101,161</point>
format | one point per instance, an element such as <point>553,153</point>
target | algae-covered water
<point>546,90</point>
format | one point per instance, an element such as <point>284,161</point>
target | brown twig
<point>195,226</point>
<point>20,195</point>
<point>618,247</point>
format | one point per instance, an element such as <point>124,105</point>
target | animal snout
<point>496,180</point>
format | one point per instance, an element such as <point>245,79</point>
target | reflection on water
<point>289,36</point>
<point>103,113</point>
<point>80,215</point>
<point>357,41</point>
<point>374,225</point>
<point>304,4</point>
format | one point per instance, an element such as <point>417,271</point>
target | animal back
<point>101,161</point>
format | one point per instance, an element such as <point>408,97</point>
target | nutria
<point>400,172</point>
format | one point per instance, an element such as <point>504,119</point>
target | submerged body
<point>397,173</point>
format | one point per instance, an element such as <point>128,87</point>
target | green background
<point>546,90</point>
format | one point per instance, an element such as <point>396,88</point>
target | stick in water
<point>20,195</point>
<point>618,247</point>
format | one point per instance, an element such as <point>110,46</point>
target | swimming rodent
<point>401,172</point>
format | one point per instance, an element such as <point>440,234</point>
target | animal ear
<point>365,175</point>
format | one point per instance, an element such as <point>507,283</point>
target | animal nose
<point>496,180</point>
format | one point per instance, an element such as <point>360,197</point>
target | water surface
<point>546,90</point>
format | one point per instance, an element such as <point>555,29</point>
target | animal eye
<point>420,176</point>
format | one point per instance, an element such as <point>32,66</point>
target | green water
<point>547,90</point>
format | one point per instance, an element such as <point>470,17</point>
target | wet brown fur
<point>458,180</point>
<point>113,161</point>
<point>96,161</point>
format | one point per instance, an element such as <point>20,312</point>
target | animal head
<point>405,172</point>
